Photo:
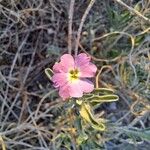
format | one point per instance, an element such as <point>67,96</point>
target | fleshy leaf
<point>79,102</point>
<point>49,73</point>
<point>103,91</point>
<point>87,115</point>
<point>88,96</point>
<point>105,98</point>
<point>2,143</point>
<point>85,112</point>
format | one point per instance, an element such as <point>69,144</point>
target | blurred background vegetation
<point>34,34</point>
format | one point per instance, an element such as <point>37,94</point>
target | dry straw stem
<point>6,12</point>
<point>131,50</point>
<point>7,88</point>
<point>71,11</point>
<point>100,71</point>
<point>143,32</point>
<point>133,10</point>
<point>81,25</point>
<point>98,59</point>
<point>42,100</point>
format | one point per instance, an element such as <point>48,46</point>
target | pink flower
<point>70,75</point>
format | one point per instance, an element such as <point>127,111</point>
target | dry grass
<point>34,33</point>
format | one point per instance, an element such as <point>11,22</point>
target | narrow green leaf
<point>145,134</point>
<point>82,137</point>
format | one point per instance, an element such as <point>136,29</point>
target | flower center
<point>74,75</point>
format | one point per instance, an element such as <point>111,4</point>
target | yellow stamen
<point>73,75</point>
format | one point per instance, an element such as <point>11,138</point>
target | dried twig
<point>81,25</point>
<point>133,10</point>
<point>71,10</point>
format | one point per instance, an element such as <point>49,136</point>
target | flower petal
<point>88,70</point>
<point>64,92</point>
<point>86,85</point>
<point>82,59</point>
<point>59,79</point>
<point>75,90</point>
<point>66,62</point>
